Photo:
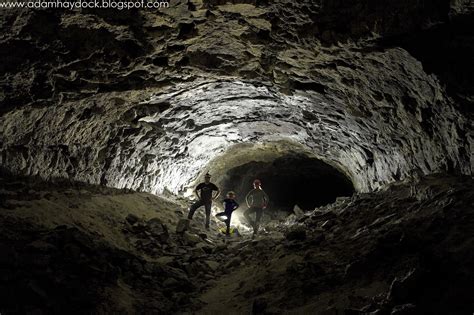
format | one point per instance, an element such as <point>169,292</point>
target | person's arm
<point>236,205</point>
<point>218,192</point>
<point>247,198</point>
<point>265,200</point>
<point>196,191</point>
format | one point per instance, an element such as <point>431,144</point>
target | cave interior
<point>356,116</point>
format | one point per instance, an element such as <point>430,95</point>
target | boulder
<point>165,260</point>
<point>132,219</point>
<point>139,227</point>
<point>158,229</point>
<point>296,234</point>
<point>233,263</point>
<point>205,247</point>
<point>213,265</point>
<point>197,251</point>
<point>191,238</point>
<point>170,283</point>
<point>221,247</point>
<point>297,211</point>
<point>183,225</point>
<point>202,235</point>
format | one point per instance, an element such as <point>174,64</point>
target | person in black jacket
<point>205,193</point>
<point>230,205</point>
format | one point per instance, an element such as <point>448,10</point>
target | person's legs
<point>193,208</point>
<point>247,215</point>
<point>224,217</point>
<point>220,216</point>
<point>227,223</point>
<point>207,206</point>
<point>258,216</point>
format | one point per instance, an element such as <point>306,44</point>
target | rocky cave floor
<point>75,248</point>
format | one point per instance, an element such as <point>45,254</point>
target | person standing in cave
<point>205,193</point>
<point>257,200</point>
<point>230,205</point>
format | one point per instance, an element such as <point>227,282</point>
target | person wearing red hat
<point>257,200</point>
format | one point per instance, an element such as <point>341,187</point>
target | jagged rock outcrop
<point>166,141</point>
<point>381,253</point>
<point>108,250</point>
<point>75,103</point>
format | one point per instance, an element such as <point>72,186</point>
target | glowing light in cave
<point>237,220</point>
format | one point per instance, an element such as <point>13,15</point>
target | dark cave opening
<point>290,180</point>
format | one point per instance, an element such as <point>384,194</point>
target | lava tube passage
<point>237,157</point>
<point>290,180</point>
<point>291,177</point>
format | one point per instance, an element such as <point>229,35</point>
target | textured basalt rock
<point>166,141</point>
<point>145,99</point>
<point>69,247</point>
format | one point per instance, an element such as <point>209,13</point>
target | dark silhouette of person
<point>205,193</point>
<point>230,205</point>
<point>257,200</point>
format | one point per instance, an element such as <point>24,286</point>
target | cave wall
<point>146,100</point>
<point>141,146</point>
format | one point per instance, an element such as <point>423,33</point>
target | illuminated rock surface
<point>144,100</point>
